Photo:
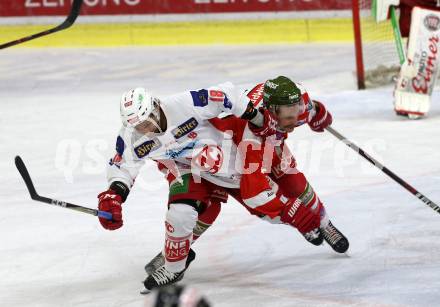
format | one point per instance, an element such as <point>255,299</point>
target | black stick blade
<point>26,177</point>
<point>74,12</point>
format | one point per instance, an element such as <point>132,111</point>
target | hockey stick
<point>393,176</point>
<point>34,195</point>
<point>397,35</point>
<point>74,12</point>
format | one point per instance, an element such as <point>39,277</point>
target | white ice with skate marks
<point>63,119</point>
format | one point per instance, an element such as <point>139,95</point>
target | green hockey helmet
<point>280,91</point>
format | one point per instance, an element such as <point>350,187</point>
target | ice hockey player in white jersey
<point>276,184</point>
<point>188,198</point>
<point>174,129</point>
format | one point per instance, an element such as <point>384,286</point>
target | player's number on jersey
<point>217,96</point>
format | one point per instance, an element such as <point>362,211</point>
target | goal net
<point>379,59</point>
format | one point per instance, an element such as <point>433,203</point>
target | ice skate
<point>335,238</point>
<point>155,263</point>
<point>315,237</point>
<point>162,277</point>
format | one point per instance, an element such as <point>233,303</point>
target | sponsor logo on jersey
<point>432,22</point>
<point>185,128</point>
<point>209,159</point>
<point>173,154</point>
<point>256,94</point>
<point>200,98</point>
<point>145,148</point>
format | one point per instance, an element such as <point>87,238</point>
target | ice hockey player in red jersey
<point>191,200</point>
<point>266,193</point>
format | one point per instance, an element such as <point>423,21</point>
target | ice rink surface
<point>59,111</point>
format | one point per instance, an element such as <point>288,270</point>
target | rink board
<point>189,33</point>
<point>193,33</point>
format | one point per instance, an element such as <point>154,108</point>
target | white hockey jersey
<point>188,135</point>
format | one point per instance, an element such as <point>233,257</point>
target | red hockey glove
<point>269,124</point>
<point>322,118</point>
<point>111,202</point>
<point>300,216</point>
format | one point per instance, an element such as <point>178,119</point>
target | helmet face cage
<point>152,122</point>
<point>156,110</point>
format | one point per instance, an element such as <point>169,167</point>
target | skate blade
<point>145,291</point>
<point>414,116</point>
